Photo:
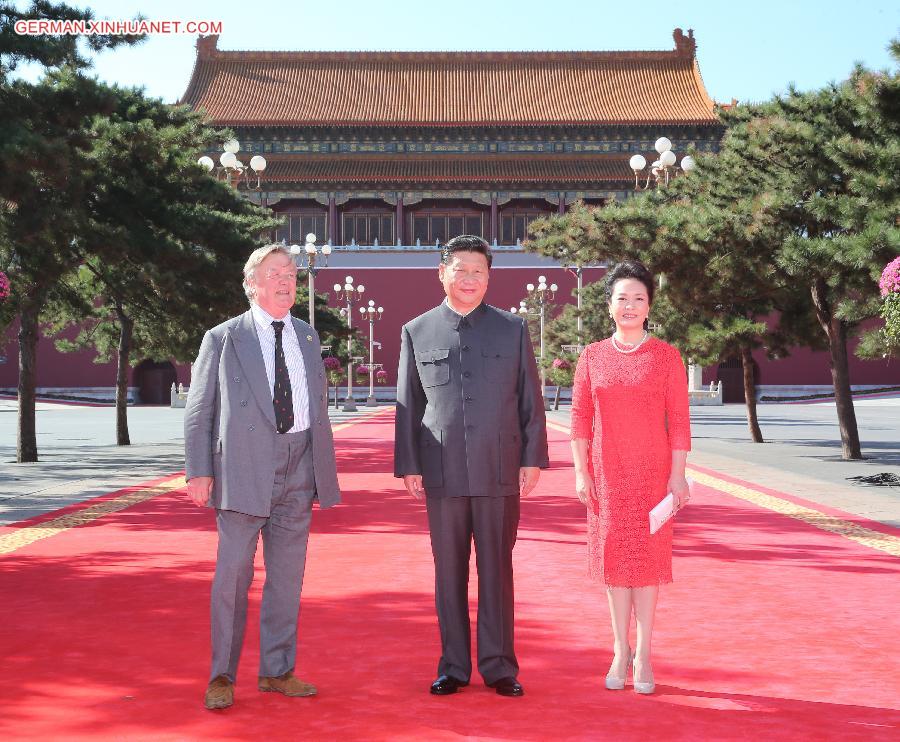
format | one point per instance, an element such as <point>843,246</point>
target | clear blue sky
<point>746,50</point>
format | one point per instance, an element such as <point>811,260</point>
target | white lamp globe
<point>258,163</point>
<point>371,302</point>
<point>232,145</point>
<point>360,288</point>
<point>227,159</point>
<point>310,237</point>
<point>206,162</point>
<point>688,163</point>
<point>295,249</point>
<point>529,287</point>
<point>542,279</point>
<point>326,249</point>
<point>337,287</point>
<point>348,279</point>
<point>637,163</point>
<point>553,287</point>
<point>513,310</point>
<point>667,158</point>
<point>362,311</point>
<point>662,145</point>
<point>310,248</point>
<point>380,310</point>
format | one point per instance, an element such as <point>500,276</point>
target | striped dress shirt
<point>293,357</point>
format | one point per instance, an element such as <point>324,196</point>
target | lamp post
<point>349,294</point>
<point>539,296</point>
<point>373,315</point>
<point>231,167</point>
<point>662,168</point>
<point>311,252</point>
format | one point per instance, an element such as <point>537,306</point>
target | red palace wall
<point>405,293</point>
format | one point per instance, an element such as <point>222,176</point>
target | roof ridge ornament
<point>207,46</point>
<point>685,45</point>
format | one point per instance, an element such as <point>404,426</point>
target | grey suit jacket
<point>469,406</point>
<point>229,420</point>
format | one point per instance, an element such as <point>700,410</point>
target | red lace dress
<point>633,408</point>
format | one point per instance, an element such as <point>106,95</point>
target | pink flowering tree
<point>5,287</point>
<point>561,373</point>
<point>381,376</point>
<point>890,290</point>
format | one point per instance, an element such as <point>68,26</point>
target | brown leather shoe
<point>288,684</point>
<point>219,693</point>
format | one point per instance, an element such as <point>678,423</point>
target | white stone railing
<point>710,396</point>
<point>178,396</point>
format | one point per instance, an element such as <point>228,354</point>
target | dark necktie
<point>282,397</point>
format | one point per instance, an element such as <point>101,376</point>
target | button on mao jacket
<point>229,421</point>
<point>469,405</point>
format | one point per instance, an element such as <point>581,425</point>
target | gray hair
<point>257,257</point>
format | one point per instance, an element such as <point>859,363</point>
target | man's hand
<point>528,479</point>
<point>198,489</point>
<point>413,484</point>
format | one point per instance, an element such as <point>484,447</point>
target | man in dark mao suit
<point>470,434</point>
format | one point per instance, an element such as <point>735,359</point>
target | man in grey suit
<point>259,449</point>
<point>471,435</point>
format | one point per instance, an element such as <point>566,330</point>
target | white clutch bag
<point>664,510</point>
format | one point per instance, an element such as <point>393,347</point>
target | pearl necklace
<point>639,343</point>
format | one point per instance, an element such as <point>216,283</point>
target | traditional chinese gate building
<point>387,154</point>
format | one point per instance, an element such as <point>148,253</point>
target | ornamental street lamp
<point>538,296</point>
<point>309,265</point>
<point>231,167</point>
<point>373,315</point>
<point>350,294</point>
<point>662,168</point>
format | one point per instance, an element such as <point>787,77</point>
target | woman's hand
<point>584,487</point>
<point>678,486</point>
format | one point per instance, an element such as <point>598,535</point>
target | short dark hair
<point>467,243</point>
<point>630,269</point>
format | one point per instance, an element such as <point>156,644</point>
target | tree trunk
<point>750,395</point>
<point>126,329</point>
<point>556,398</point>
<point>840,371</point>
<point>26,444</point>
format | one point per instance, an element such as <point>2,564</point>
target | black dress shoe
<point>445,685</point>
<point>507,687</point>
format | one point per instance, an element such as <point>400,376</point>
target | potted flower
<point>561,374</point>
<point>334,371</point>
<point>5,288</point>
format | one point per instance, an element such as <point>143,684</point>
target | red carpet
<point>773,629</point>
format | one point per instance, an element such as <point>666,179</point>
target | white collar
<point>265,320</point>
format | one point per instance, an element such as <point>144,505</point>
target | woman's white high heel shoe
<point>614,683</point>
<point>641,687</point>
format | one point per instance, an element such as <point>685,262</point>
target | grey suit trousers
<point>285,534</point>
<point>492,523</point>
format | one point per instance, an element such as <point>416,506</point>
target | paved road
<point>801,455</point>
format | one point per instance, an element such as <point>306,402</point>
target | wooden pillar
<point>562,204</point>
<point>398,219</point>
<point>332,221</point>
<point>494,218</point>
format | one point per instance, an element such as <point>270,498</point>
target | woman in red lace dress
<point>630,439</point>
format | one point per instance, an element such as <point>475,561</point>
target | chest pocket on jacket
<point>498,364</point>
<point>434,366</point>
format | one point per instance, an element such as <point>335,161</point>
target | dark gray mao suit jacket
<point>469,405</point>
